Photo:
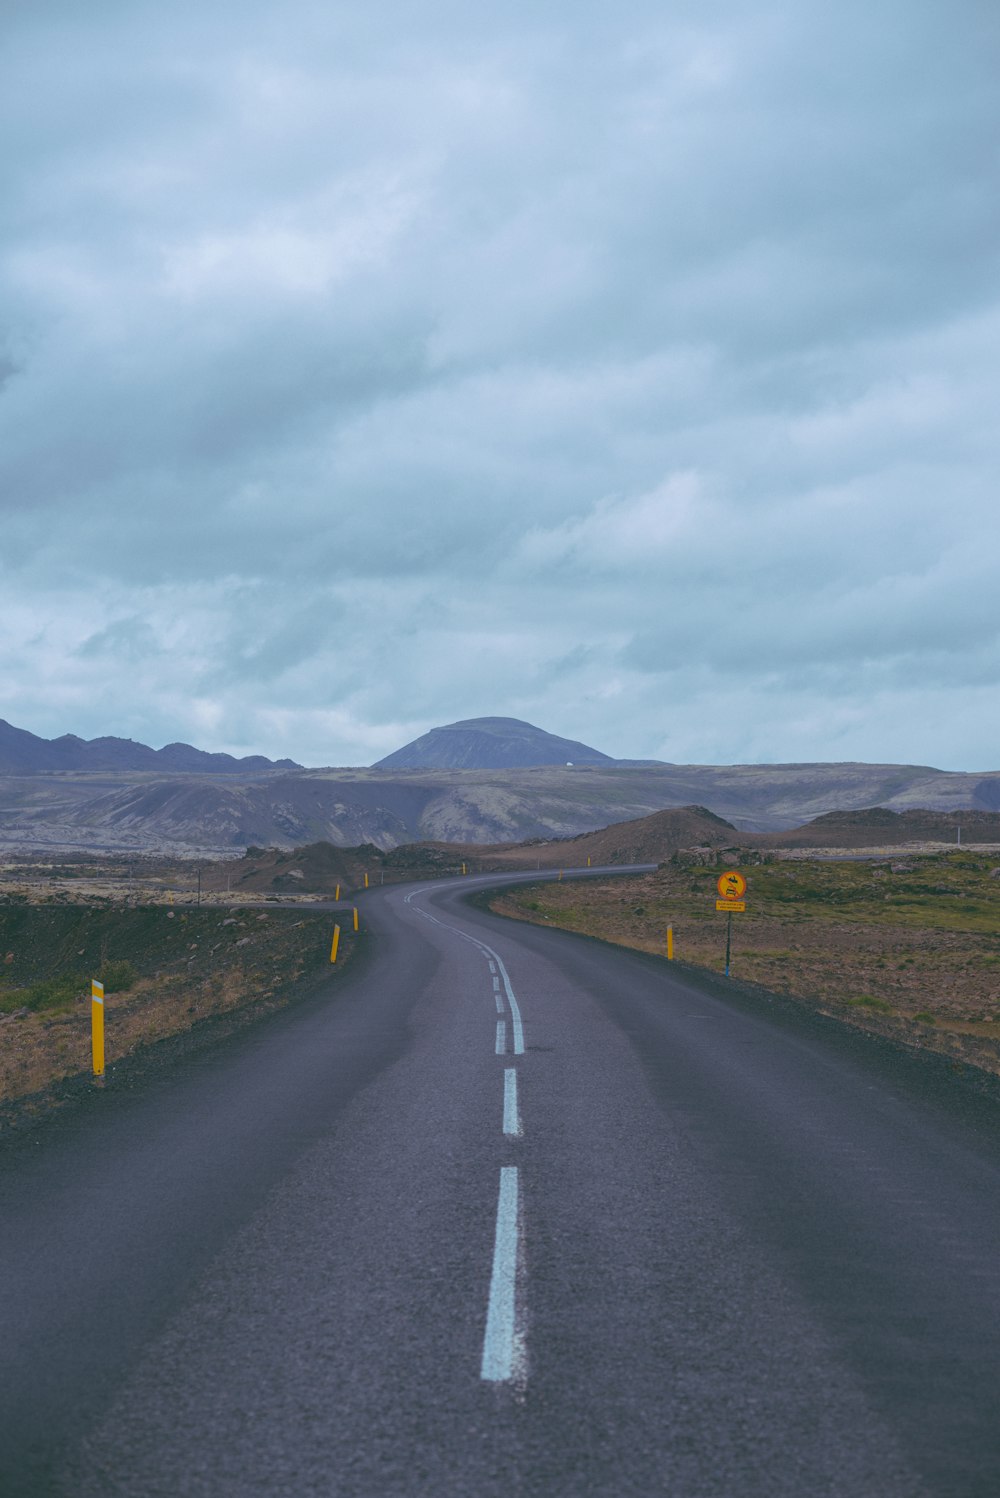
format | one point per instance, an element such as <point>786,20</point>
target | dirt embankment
<point>166,971</point>
<point>909,948</point>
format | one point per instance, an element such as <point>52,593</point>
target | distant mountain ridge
<point>24,753</point>
<point>175,810</point>
<point>181,799</point>
<point>490,744</point>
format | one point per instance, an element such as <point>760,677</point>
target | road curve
<point>504,1211</point>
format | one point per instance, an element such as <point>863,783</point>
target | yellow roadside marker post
<point>336,944</point>
<point>366,878</point>
<point>588,860</point>
<point>355,918</point>
<point>97,1027</point>
<point>336,893</point>
<point>464,869</point>
<point>670,943</point>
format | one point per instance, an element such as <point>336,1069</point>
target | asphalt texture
<point>753,1253</point>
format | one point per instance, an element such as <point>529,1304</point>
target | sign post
<point>732,886</point>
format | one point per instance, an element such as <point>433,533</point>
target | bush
<point>925,1017</point>
<point>869,1001</point>
<point>117,977</point>
<point>51,993</point>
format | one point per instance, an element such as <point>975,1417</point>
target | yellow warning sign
<point>730,905</point>
<point>731,885</point>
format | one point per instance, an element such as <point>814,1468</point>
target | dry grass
<point>201,964</point>
<point>910,948</point>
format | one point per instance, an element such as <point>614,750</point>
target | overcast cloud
<point>631,369</point>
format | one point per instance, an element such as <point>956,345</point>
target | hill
<point>878,826</point>
<point>490,744</point>
<point>651,839</point>
<point>319,867</point>
<point>656,838</point>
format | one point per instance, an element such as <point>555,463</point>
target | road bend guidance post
<point>732,887</point>
<point>336,893</point>
<point>670,943</point>
<point>366,878</point>
<point>355,918</point>
<point>97,1028</point>
<point>335,944</point>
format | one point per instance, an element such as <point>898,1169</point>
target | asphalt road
<point>504,1211</point>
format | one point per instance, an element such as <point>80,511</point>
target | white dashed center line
<point>504,1353</point>
<point>511,1114</point>
<point>503,1350</point>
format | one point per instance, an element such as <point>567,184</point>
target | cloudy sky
<point>633,369</point>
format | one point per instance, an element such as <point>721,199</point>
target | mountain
<point>114,794</point>
<point>24,753</point>
<point>490,744</point>
<point>177,812</point>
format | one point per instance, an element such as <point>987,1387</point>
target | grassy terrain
<point>910,946</point>
<point>163,970</point>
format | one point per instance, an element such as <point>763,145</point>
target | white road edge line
<point>501,1036</point>
<point>511,1116</point>
<point>503,1354</point>
<point>515,1013</point>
